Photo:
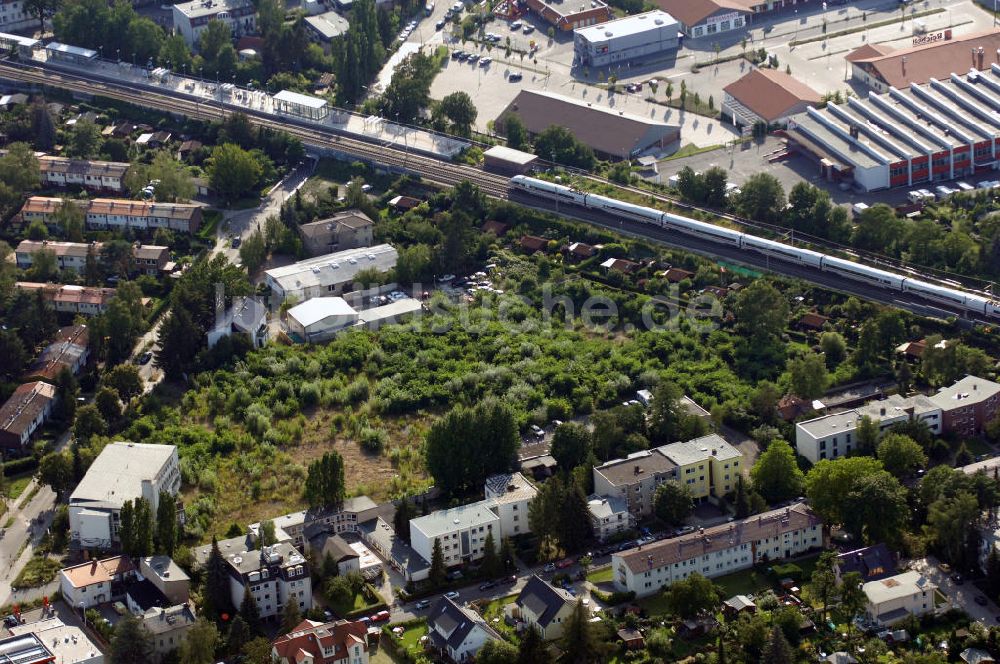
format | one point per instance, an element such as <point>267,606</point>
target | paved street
<point>961,596</point>
<point>31,520</point>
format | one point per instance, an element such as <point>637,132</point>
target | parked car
<point>11,621</point>
<point>528,29</point>
<point>145,358</point>
<point>453,594</point>
<point>487,585</point>
<point>422,604</point>
<point>455,55</point>
<point>381,616</point>
<point>549,567</point>
<point>515,77</point>
<point>485,62</point>
<point>440,24</point>
<point>564,563</point>
<point>537,431</point>
<point>509,580</point>
<point>235,244</point>
<point>516,25</point>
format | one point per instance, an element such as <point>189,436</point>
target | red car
<point>564,563</point>
<point>381,616</point>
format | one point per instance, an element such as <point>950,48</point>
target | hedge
<point>20,465</point>
<point>614,598</point>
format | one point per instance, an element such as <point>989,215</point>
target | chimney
<point>881,411</point>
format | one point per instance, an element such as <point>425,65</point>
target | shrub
<point>373,440</point>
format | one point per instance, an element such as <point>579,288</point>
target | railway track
<point>386,154</point>
<point>435,170</point>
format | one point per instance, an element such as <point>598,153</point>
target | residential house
<point>347,517</point>
<point>311,642</point>
<point>118,214</point>
<point>350,229</point>
<point>123,471</point>
<point>275,575</point>
<point>247,316</point>
<point>167,576</point>
<point>329,275</point>
<point>580,250</point>
<point>498,228</point>
<point>69,350</point>
<point>812,321</point>
<point>404,203</point>
<point>873,563</point>
<point>337,548</point>
<point>24,413</point>
<point>149,259</point>
<point>543,607</point>
<point>95,582</point>
<point>89,174</point>
<point>719,550</point>
<point>708,466</point>
<point>168,627</point>
<point>142,596</point>
<point>457,632</point>
<point>609,516</point>
<point>380,536</point>
<point>463,530</point>
<point>676,275</point>
<point>893,598</point>
<point>326,28</point>
<point>71,299</point>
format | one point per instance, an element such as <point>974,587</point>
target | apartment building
<point>719,550</point>
<point>70,256</point>
<point>24,413</point>
<point>339,642</point>
<point>463,530</point>
<point>968,405</point>
<point>963,408</point>
<point>349,229</point>
<point>71,299</point>
<point>95,582</point>
<point>90,174</point>
<point>299,527</point>
<point>708,466</point>
<point>123,471</point>
<point>896,597</point>
<point>118,214</point>
<point>274,575</point>
<point>192,18</point>
<point>146,259</point>
<point>14,16</point>
<point>609,516</point>
<point>69,350</point>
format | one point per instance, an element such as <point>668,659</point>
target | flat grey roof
<point>828,425</point>
<point>299,99</point>
<point>843,149</point>
<point>511,155</point>
<point>72,50</point>
<point>329,24</point>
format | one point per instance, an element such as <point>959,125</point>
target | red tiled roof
<point>676,274</point>
<point>534,243</point>
<point>813,320</point>
<point>312,638</point>
<point>937,60</point>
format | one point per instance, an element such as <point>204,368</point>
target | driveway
<point>961,596</point>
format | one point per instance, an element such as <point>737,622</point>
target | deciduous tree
<point>673,502</point>
<point>900,454</point>
<point>688,597</point>
<point>776,475</point>
<point>131,643</point>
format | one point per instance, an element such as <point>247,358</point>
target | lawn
<point>39,571</point>
<point>359,604</point>
<point>209,220</point>
<point>494,615</point>
<point>655,605</point>
<point>747,582</point>
<point>691,149</point>
<point>17,484</point>
<point>603,575</point>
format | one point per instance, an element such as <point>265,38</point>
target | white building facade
<point>719,550</point>
<point>625,39</point>
<point>121,472</point>
<point>332,274</point>
<point>896,597</point>
<point>192,18</point>
<point>275,576</point>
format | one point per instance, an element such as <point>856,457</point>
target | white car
<point>485,62</point>
<point>446,278</point>
<point>452,594</point>
<point>516,25</point>
<point>397,295</point>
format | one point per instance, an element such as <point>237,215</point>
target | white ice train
<point>953,297</point>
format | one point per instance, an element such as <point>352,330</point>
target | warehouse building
<point>932,55</point>
<point>766,95</point>
<point>611,134</point>
<point>567,15</point>
<point>941,130</point>
<point>300,105</point>
<point>707,18</point>
<point>626,39</point>
<point>331,274</point>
